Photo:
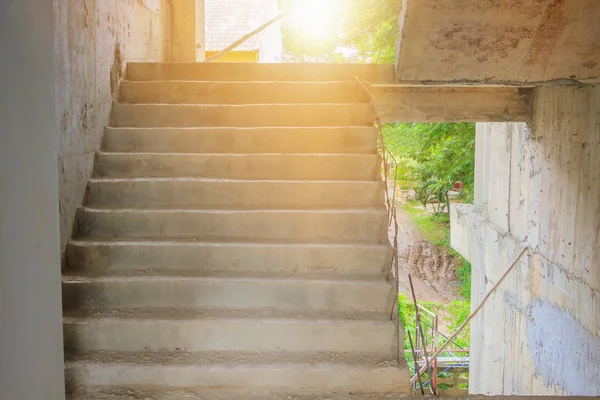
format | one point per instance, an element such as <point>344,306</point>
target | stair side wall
<point>537,185</point>
<point>94,40</point>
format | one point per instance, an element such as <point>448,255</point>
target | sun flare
<point>316,19</point>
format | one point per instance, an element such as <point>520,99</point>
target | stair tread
<point>237,82</point>
<point>87,241</point>
<point>216,358</point>
<point>237,211</point>
<point>237,155</point>
<point>202,179</point>
<point>74,276</point>
<point>79,315</point>
<point>254,105</point>
<point>242,128</point>
<point>165,393</point>
<point>282,72</point>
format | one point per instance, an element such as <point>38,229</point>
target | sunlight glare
<point>316,18</point>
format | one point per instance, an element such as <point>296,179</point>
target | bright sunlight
<point>316,19</point>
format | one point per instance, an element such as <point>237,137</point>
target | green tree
<point>435,156</point>
<point>363,32</point>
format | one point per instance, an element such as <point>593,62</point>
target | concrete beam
<point>414,103</point>
<point>498,41</point>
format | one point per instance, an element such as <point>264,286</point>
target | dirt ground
<point>432,269</point>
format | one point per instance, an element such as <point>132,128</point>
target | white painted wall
<point>31,355</point>
<point>537,186</point>
<point>271,46</point>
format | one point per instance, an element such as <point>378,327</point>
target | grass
<point>457,312</point>
<point>436,230</point>
<point>405,184</point>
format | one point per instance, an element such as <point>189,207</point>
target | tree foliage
<point>365,31</point>
<point>435,157</point>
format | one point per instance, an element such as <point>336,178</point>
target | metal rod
<point>416,364</point>
<point>474,313</point>
<point>394,268</point>
<point>244,38</point>
<point>373,99</point>
<point>420,328</point>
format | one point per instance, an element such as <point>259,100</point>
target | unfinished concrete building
<point>220,229</point>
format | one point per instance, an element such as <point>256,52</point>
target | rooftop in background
<point>229,20</point>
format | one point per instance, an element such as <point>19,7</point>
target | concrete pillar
<point>31,348</point>
<point>188,30</point>
<point>200,30</point>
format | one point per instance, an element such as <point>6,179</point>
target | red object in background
<point>458,186</point>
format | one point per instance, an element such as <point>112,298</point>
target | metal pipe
<point>244,38</point>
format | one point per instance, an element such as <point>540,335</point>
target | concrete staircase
<point>233,241</point>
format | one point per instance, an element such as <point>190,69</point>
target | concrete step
<point>346,140</point>
<point>303,258</point>
<point>226,291</point>
<point>162,393</point>
<point>210,193</point>
<point>294,72</point>
<point>198,92</point>
<point>255,115</point>
<point>328,167</point>
<point>235,376</point>
<point>193,330</point>
<point>318,226</point>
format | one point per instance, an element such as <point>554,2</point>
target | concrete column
<point>188,30</point>
<point>31,348</point>
<point>200,30</point>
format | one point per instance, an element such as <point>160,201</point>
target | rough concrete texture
<point>203,257</point>
<point>247,72</point>
<point>232,194</point>
<point>242,92</point>
<point>312,226</point>
<point>231,291</point>
<point>94,39</point>
<point>175,375</point>
<point>179,255</point>
<point>294,167</point>
<point>537,186</point>
<point>435,103</point>
<point>242,116</point>
<point>344,140</point>
<point>499,40</point>
<point>152,330</point>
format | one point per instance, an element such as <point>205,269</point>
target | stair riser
<point>156,115</point>
<point>294,72</point>
<point>191,92</point>
<point>357,140</point>
<point>268,167</point>
<point>368,227</point>
<point>304,379</point>
<point>229,294</point>
<point>351,260</point>
<point>223,195</point>
<point>229,335</point>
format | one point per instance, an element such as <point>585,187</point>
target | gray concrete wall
<point>94,39</point>
<point>31,355</point>
<point>537,185</point>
